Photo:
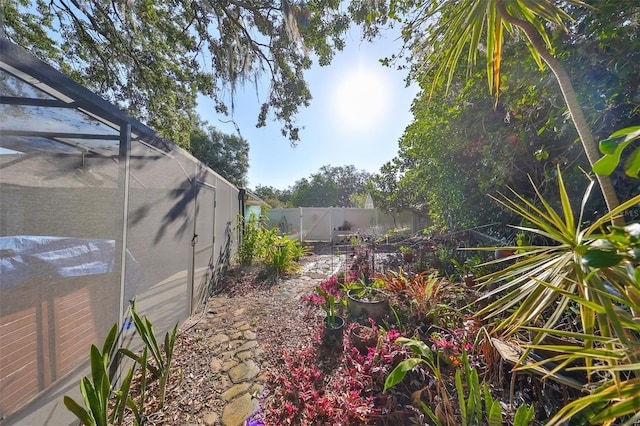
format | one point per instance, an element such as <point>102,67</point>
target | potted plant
<point>363,337</point>
<point>466,273</point>
<point>408,253</point>
<point>333,323</point>
<point>366,300</point>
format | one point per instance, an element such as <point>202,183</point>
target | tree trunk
<point>569,94</point>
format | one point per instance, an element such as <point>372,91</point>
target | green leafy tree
<point>456,32</point>
<point>463,145</point>
<point>388,192</point>
<point>153,58</point>
<point>314,192</point>
<point>276,198</point>
<point>351,180</point>
<point>226,154</point>
<point>330,186</point>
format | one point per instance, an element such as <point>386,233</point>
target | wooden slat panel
<point>18,359</point>
<point>75,330</point>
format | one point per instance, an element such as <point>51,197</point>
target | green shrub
<point>260,244</point>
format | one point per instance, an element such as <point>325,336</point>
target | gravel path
<point>222,353</point>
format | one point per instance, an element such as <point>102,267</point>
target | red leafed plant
<point>318,386</point>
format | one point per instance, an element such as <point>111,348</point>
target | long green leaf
<point>123,397</point>
<point>430,413</point>
<point>137,415</point>
<point>101,386</point>
<point>144,364</point>
<point>569,221</point>
<point>417,346</point>
<point>495,414</point>
<point>109,344</point>
<point>80,412</point>
<point>461,401</point>
<point>475,399</point>
<point>629,389</point>
<point>92,401</point>
<point>524,415</point>
<point>142,360</point>
<point>399,372</point>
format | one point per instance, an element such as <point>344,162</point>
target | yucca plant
<point>619,396</point>
<point>580,266</point>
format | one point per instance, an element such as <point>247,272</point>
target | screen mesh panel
<point>95,210</point>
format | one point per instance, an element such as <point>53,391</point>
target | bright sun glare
<point>361,99</point>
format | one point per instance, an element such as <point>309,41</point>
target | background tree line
<point>340,186</point>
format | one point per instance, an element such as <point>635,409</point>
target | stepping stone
<point>236,335</point>
<point>234,344</point>
<point>236,390</point>
<point>243,372</point>
<point>210,418</point>
<point>243,356</point>
<point>256,390</point>
<point>229,365</point>
<point>235,413</point>
<point>227,355</point>
<point>218,339</point>
<point>242,325</point>
<point>215,365</point>
<point>248,345</point>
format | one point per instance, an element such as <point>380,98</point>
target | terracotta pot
<point>470,280</point>
<point>363,338</point>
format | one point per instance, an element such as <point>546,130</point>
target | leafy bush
<point>260,244</point>
<point>253,239</point>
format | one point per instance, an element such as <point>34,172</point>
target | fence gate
<point>202,242</point>
<point>316,224</point>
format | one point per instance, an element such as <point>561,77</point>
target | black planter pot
<point>333,334</point>
<point>363,308</point>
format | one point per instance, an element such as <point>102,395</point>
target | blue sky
<point>358,112</point>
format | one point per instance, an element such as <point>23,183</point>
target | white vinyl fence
<point>331,224</point>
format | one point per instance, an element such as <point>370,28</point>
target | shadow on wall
<point>184,198</point>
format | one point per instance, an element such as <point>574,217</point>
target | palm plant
<point>584,267</point>
<point>444,29</point>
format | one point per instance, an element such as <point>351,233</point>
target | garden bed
<point>308,382</point>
